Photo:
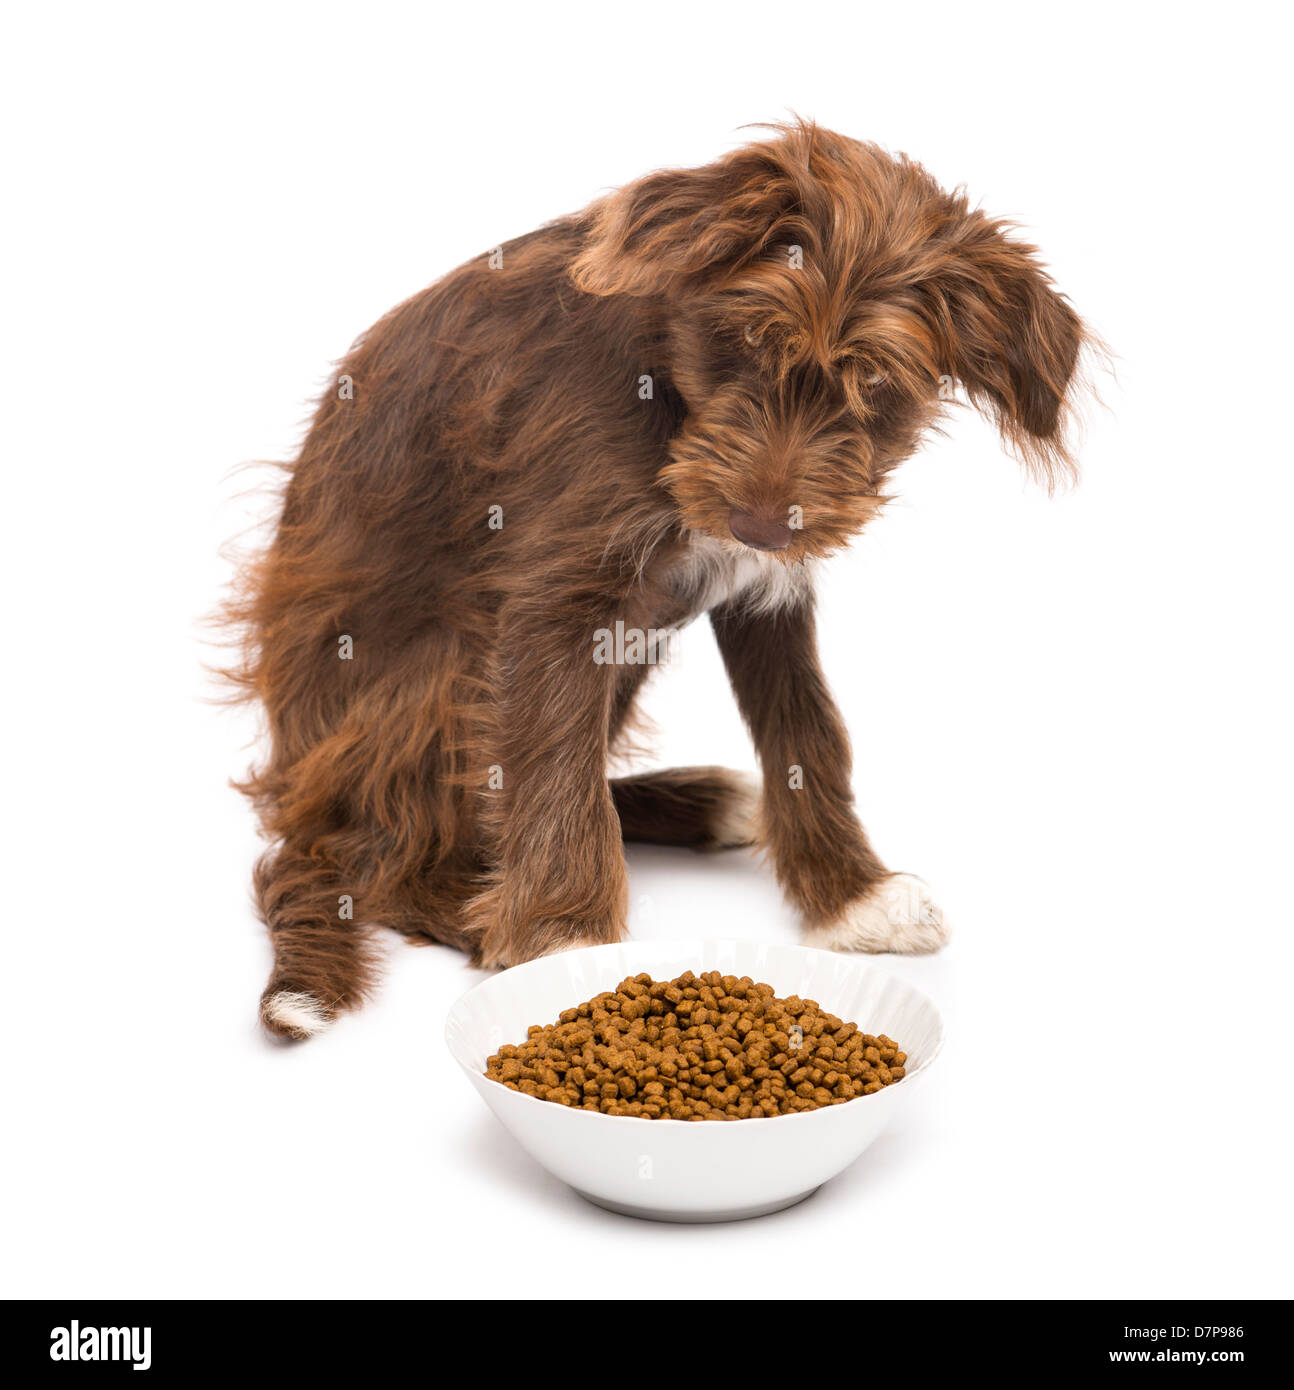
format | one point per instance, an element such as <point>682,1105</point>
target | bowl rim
<point>865,961</point>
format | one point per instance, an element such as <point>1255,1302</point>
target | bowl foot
<point>696,1217</point>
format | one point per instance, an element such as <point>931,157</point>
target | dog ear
<point>1013,341</point>
<point>671,227</point>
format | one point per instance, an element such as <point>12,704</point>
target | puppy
<point>673,403</point>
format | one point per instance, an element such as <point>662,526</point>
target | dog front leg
<point>559,878</point>
<point>847,898</point>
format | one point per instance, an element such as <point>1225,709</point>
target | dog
<point>675,402</point>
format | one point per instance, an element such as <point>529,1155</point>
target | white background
<point>1070,715</point>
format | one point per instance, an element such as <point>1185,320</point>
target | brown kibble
<point>707,1047</point>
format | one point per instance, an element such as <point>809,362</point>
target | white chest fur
<point>710,573</point>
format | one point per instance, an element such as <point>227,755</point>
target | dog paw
<point>545,937</point>
<point>290,1013</point>
<point>736,819</point>
<point>897,915</point>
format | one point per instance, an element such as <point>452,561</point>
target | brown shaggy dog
<point>672,403</point>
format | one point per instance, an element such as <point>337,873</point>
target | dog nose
<point>758,532</point>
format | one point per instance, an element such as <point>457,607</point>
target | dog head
<point>815,300</point>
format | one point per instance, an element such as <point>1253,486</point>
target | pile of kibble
<point>702,1047</point>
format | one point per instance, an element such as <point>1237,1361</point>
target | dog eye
<point>876,379</point>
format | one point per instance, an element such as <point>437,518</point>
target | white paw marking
<point>738,822</point>
<point>898,915</point>
<point>303,1013</point>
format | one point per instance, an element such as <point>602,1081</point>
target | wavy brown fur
<point>516,386</point>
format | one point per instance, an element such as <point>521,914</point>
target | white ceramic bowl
<point>678,1170</point>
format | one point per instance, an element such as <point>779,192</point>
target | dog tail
<point>324,961</point>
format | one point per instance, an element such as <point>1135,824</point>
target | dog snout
<point>757,531</point>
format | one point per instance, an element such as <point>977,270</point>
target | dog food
<point>701,1047</point>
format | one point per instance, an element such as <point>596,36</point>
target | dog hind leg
<point>430,910</point>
